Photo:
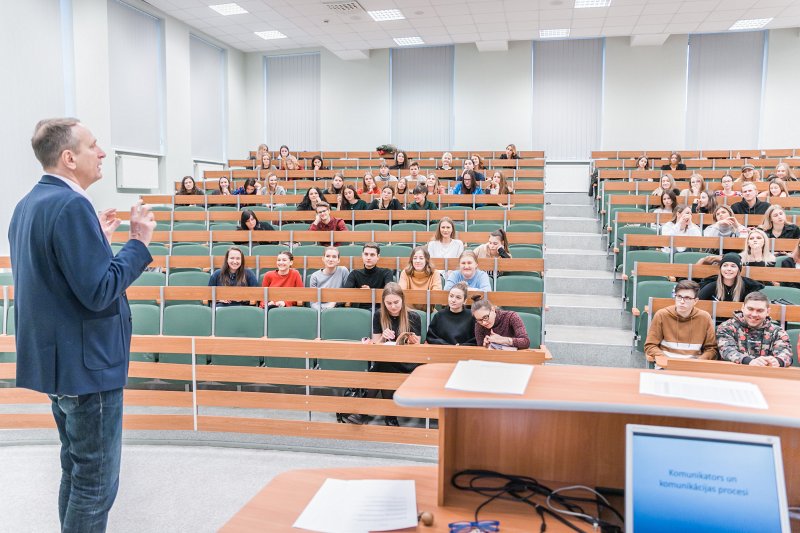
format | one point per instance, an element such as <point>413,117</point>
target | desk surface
<point>279,504</point>
<point>601,390</point>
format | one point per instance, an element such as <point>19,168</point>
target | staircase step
<point>594,346</point>
<point>562,258</point>
<point>570,210</point>
<point>580,241</point>
<point>578,309</point>
<point>572,224</point>
<point>584,282</point>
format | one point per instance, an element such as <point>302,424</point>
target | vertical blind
<point>136,81</point>
<point>293,101</point>
<point>724,90</point>
<point>422,98</point>
<point>567,97</point>
<point>207,73</point>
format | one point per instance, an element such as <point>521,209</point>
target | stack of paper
<point>489,376</point>
<point>740,394</point>
<point>360,506</point>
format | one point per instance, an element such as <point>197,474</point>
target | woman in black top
<point>350,201</point>
<point>792,261</point>
<point>729,285</point>
<point>511,152</point>
<point>249,222</point>
<point>674,162</point>
<point>775,225</point>
<point>386,201</point>
<point>453,325</point>
<point>309,202</point>
<point>400,160</point>
<point>317,163</point>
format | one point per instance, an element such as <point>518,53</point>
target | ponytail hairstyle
<point>500,233</point>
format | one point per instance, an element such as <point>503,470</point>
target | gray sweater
<point>324,281</point>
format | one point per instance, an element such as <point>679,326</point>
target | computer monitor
<point>679,479</point>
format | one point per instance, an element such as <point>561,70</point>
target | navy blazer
<point>73,322</point>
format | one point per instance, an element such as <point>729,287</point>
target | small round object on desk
<point>426,518</point>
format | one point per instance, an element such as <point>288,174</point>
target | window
<point>207,66</point>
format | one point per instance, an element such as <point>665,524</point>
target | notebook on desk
<point>679,479</point>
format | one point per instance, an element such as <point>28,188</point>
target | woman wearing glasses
<point>497,329</point>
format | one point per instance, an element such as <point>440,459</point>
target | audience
<point>273,188</point>
<point>668,203</point>
<point>674,162</point>
<point>233,274</point>
<point>750,204</point>
<point>401,187</point>
<point>189,188</point>
<point>224,185</point>
<point>317,163</point>
<point>729,285</point>
<point>325,222</point>
<point>290,162</point>
<point>387,201</point>
<point>775,225</point>
<point>497,329</point>
<point>681,225</point>
<point>727,187</point>
<point>752,338</point>
<point>706,203</point>
<point>469,273</point>
<point>432,184</point>
<point>497,246</point>
<point>468,185</point>
<point>756,251</point>
<point>350,201</point>
<point>249,188</point>
<point>248,221</point>
<point>368,185</point>
<point>384,176</point>
<point>332,276</point>
<point>725,224</point>
<point>469,166</point>
<point>371,276</point>
<point>477,162</point>
<point>421,202</point>
<point>453,325</point>
<point>696,185</point>
<point>265,162</point>
<point>336,185</point>
<point>499,185</point>
<point>420,275</point>
<point>283,152</point>
<point>313,196</point>
<point>776,189</point>
<point>260,151</point>
<point>446,162</point>
<point>666,185</point>
<point>284,276</point>
<point>400,161</point>
<point>510,153</point>
<point>784,171</point>
<point>642,163</point>
<point>444,244</point>
<point>680,330</point>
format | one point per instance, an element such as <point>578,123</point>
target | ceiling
<point>488,23</point>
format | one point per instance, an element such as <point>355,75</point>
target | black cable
<point>522,489</point>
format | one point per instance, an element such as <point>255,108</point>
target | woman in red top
<point>285,276</point>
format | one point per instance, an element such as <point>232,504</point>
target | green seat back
<point>485,226</point>
<point>409,226</point>
<point>395,250</point>
<point>533,326</point>
<point>189,226</point>
<point>787,293</point>
<point>309,250</point>
<point>688,258</point>
<point>524,227</point>
<point>270,250</point>
<point>187,320</point>
<point>146,320</point>
<point>291,323</point>
<point>343,323</point>
<point>646,289</point>
<point>239,321</point>
<point>372,226</point>
<point>350,250</point>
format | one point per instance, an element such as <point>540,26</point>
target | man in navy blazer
<point>73,320</point>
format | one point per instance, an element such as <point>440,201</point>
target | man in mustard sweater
<point>680,330</point>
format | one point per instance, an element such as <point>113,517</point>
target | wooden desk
<point>570,423</point>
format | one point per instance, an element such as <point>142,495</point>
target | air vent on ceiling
<point>344,7</point>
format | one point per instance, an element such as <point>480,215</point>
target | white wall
<point>781,110</point>
<point>238,142</point>
<point>644,96</point>
<point>493,98</point>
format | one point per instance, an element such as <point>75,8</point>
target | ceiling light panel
<point>581,4</point>
<point>228,9</point>
<point>386,14</point>
<point>750,24</point>
<point>408,41</point>
<point>268,35</point>
<point>554,34</point>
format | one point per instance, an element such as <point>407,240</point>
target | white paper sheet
<point>360,506</point>
<point>737,393</point>
<point>489,376</point>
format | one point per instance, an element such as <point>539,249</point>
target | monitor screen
<point>680,479</point>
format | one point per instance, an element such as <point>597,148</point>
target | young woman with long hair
<point>453,325</point>
<point>387,201</point>
<point>496,328</point>
<point>727,187</point>
<point>705,203</point>
<point>776,189</point>
<point>368,185</point>
<point>313,196</point>
<point>336,185</point>
<point>419,274</point>
<point>775,225</point>
<point>233,274</point>
<point>224,185</point>
<point>510,153</point>
<point>756,251</point>
<point>729,285</point>
<point>284,276</point>
<point>444,243</point>
<point>350,200</point>
<point>497,246</point>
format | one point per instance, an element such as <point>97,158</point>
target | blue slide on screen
<point>690,484</point>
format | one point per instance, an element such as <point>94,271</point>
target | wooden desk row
<point>514,175</point>
<point>696,154</point>
<point>412,154</point>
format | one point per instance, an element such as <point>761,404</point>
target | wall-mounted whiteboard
<point>137,171</point>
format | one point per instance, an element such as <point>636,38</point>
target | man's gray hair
<point>51,137</point>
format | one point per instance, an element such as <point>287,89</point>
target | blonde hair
<point>766,255</point>
<point>660,190</point>
<point>767,225</point>
<point>738,286</point>
<point>404,324</point>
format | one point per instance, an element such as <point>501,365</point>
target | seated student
<point>497,329</point>
<point>260,151</point>
<point>336,186</point>
<point>468,185</point>
<point>313,196</point>
<point>414,177</point>
<point>273,188</point>
<point>400,160</point>
<point>666,184</point>
<point>674,162</point>
<point>384,176</point>
<point>667,205</point>
<point>792,261</point>
<point>477,162</point>
<point>391,323</point>
<point>325,222</point>
<point>750,204</point>
<point>368,185</point>
<point>446,162</point>
<point>756,251</point>
<point>697,184</point>
<point>285,276</point>
<point>249,188</point>
<point>752,338</point>
<point>510,153</point>
<point>387,201</point>
<point>371,276</point>
<point>469,166</point>
<point>249,222</point>
<point>775,225</point>
<point>421,201</point>
<point>784,171</point>
<point>681,225</point>
<point>444,244</point>
<point>727,187</point>
<point>433,186</point>
<point>497,246</point>
<point>233,274</point>
<point>642,164</point>
<point>332,276</point>
<point>682,331</point>
<point>283,152</point>
<point>290,162</point>
<point>317,163</point>
<point>419,274</point>
<point>725,224</point>
<point>469,273</point>
<point>401,189</point>
<point>749,174</point>
<point>453,325</point>
<point>776,189</point>
<point>265,162</point>
<point>224,187</point>
<point>499,185</point>
<point>350,201</point>
<point>188,187</point>
<point>729,285</point>
<point>705,203</point>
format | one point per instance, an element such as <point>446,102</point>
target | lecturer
<point>73,320</point>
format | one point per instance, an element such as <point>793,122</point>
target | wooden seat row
<point>412,154</point>
<point>711,164</point>
<point>375,164</point>
<point>697,154</point>
<point>679,175</point>
<point>295,185</point>
<point>536,173</point>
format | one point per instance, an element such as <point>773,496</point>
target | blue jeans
<point>90,429</point>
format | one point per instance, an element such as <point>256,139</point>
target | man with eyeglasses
<point>680,330</point>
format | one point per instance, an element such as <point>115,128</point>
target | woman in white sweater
<point>681,225</point>
<point>444,243</point>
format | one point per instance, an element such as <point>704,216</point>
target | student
<point>384,176</point>
<point>414,177</point>
<point>752,338</point>
<point>674,162</point>
<point>421,202</point>
<point>729,285</point>
<point>273,189</point>
<point>283,152</point>
<point>350,201</point>
<point>368,185</point>
<point>317,163</point>
<point>265,162</point>
<point>469,166</point>
<point>756,251</point>
<point>680,330</point>
<point>387,201</point>
<point>453,325</point>
<point>510,153</point>
<point>749,174</point>
<point>497,246</point>
<point>224,187</point>
<point>290,162</point>
<point>336,185</point>
<point>776,189</point>
<point>706,203</point>
<point>642,164</point>
<point>400,160</point>
<point>313,196</point>
<point>260,151</point>
<point>284,276</point>
<point>468,185</point>
<point>496,328</point>
<point>188,187</point>
<point>371,276</point>
<point>248,221</point>
<point>432,184</point>
<point>469,273</point>
<point>669,201</point>
<point>750,204</point>
<point>419,274</point>
<point>725,224</point>
<point>233,274</point>
<point>727,187</point>
<point>681,225</point>
<point>401,187</point>
<point>391,322</point>
<point>332,276</point>
<point>446,162</point>
<point>444,244</point>
<point>666,184</point>
<point>696,186</point>
<point>775,225</point>
<point>477,162</point>
<point>325,222</point>
<point>249,188</point>
<point>784,171</point>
